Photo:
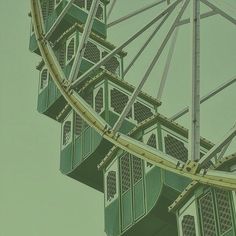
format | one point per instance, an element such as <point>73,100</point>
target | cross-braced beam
<point>194,147</point>
<point>82,46</point>
<point>149,70</point>
<point>123,18</point>
<point>220,11</point>
<point>205,98</point>
<point>213,151</point>
<point>123,45</point>
<point>59,19</point>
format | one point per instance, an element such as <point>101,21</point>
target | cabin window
<point>112,65</point>
<point>125,173</point>
<point>111,185</point>
<point>119,101</point>
<point>78,125</point>
<point>100,12</point>
<point>44,7</point>
<point>175,148</point>
<point>51,6</point>
<point>207,215</point>
<point>99,101</point>
<point>141,112</point>
<point>152,142</point>
<point>44,79</point>
<point>62,56</point>
<point>66,132</point>
<point>137,169</point>
<point>80,3</point>
<point>188,226</point>
<point>92,52</point>
<point>70,52</point>
<point>224,210</point>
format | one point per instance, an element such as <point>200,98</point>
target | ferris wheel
<point>113,137</point>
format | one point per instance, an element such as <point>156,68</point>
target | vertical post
<point>194,137</point>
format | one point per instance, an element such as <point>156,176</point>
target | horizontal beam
<point>123,18</point>
<point>123,45</point>
<point>202,16</point>
<point>205,98</point>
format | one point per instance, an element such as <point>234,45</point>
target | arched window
<point>66,132</point>
<point>44,79</point>
<point>188,226</point>
<point>111,185</point>
<point>99,101</point>
<point>70,49</point>
<point>92,52</point>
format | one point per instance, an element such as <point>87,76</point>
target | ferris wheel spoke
<point>111,8</point>
<point>149,70</point>
<point>123,45</point>
<point>224,149</point>
<point>218,147</point>
<point>146,44</point>
<point>59,18</point>
<point>132,14</point>
<point>205,98</point>
<point>220,11</point>
<point>82,45</point>
<point>41,16</point>
<point>202,16</point>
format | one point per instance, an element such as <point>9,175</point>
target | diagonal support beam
<point>145,45</point>
<point>167,65</point>
<point>82,46</point>
<point>123,18</point>
<point>212,152</point>
<point>194,137</point>
<point>111,8</point>
<point>123,45</point>
<point>59,19</point>
<point>224,149</point>
<point>149,70</point>
<point>205,98</point>
<point>220,11</point>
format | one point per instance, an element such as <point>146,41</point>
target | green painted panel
<point>153,187</point>
<point>174,181</point>
<point>126,206</point>
<point>139,208</point>
<point>52,96</point>
<point>66,159</point>
<point>87,144</point>
<point>78,151</point>
<point>112,216</point>
<point>42,101</point>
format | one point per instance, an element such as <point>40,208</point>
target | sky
<point>36,199</point>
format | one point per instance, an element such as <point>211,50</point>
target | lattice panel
<point>125,173</point>
<point>137,169</point>
<point>99,13</point>
<point>78,124</point>
<point>99,101</point>
<point>224,210</point>
<point>141,112</point>
<point>119,101</point>
<point>152,142</point>
<point>80,3</point>
<point>188,226</point>
<point>112,65</point>
<point>66,132</point>
<point>51,5</point>
<point>44,9</point>
<point>70,49</point>
<point>208,215</point>
<point>92,52</point>
<point>111,185</point>
<point>176,148</point>
<point>89,4</point>
<point>89,98</point>
<point>61,56</point>
<point>44,79</point>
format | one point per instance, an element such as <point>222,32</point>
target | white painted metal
<point>82,45</point>
<point>194,137</point>
<point>149,70</point>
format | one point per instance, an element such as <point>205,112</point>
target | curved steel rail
<point>122,141</point>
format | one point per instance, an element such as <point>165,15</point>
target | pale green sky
<point>36,199</point>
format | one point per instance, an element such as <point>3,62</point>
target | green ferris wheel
<point>158,178</point>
